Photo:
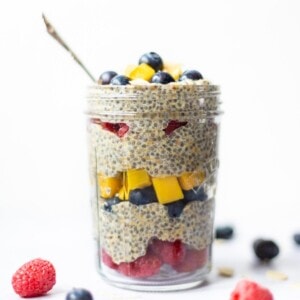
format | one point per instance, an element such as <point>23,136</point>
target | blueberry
<point>106,77</point>
<point>265,250</point>
<point>162,77</point>
<point>296,238</point>
<point>224,232</point>
<point>190,74</point>
<point>110,202</point>
<point>195,194</point>
<point>143,196</point>
<point>120,80</point>
<point>175,208</point>
<point>79,294</point>
<point>153,60</point>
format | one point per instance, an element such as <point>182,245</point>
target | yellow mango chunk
<point>123,194</point>
<point>137,179</point>
<point>109,186</point>
<point>173,69</point>
<point>167,189</point>
<point>129,69</point>
<point>134,179</point>
<point>189,180</point>
<point>142,71</point>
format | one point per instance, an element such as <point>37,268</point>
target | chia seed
<point>125,231</point>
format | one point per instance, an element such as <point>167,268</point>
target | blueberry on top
<point>162,77</point>
<point>142,196</point>
<point>190,74</point>
<point>79,294</point>
<point>120,80</point>
<point>153,60</point>
<point>106,77</point>
<point>265,250</point>
<point>175,208</point>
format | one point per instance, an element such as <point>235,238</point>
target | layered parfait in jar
<point>153,141</point>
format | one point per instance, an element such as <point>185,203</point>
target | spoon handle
<point>57,37</point>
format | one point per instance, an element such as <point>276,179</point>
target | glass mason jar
<point>153,165</point>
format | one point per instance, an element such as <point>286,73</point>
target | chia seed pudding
<point>153,152</point>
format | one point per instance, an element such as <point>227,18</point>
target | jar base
<point>184,282</point>
<point>159,288</point>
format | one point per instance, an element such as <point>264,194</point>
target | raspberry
<point>171,253</point>
<point>194,259</point>
<point>119,129</point>
<point>249,290</point>
<point>106,258</point>
<point>34,278</point>
<point>144,266</point>
<point>173,125</point>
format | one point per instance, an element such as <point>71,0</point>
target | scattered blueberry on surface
<point>162,77</point>
<point>195,194</point>
<point>265,250</point>
<point>143,196</point>
<point>153,60</point>
<point>79,294</point>
<point>190,74</point>
<point>120,80</point>
<point>175,208</point>
<point>296,238</point>
<point>110,202</point>
<point>224,232</point>
<point>106,77</point>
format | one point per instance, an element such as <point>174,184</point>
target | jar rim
<point>199,85</point>
<point>201,97</point>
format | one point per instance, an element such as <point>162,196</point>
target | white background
<point>250,48</point>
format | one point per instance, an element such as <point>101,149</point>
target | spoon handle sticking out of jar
<point>57,37</point>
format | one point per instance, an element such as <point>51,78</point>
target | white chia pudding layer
<point>147,110</point>
<point>146,146</point>
<point>126,231</point>
<point>197,96</point>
